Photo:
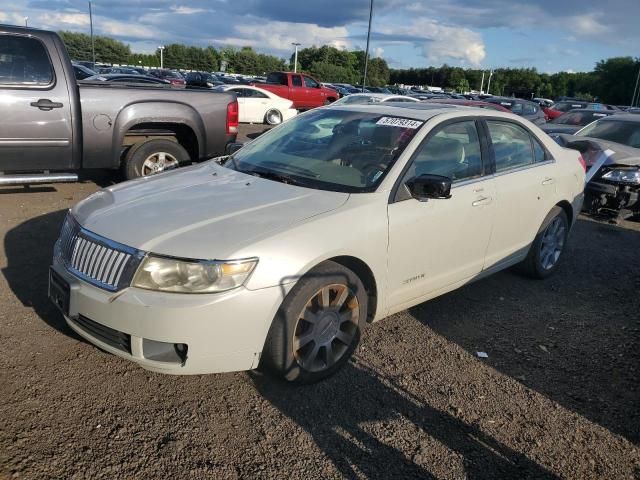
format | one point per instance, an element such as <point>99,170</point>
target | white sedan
<point>281,253</point>
<point>257,105</point>
<point>364,98</point>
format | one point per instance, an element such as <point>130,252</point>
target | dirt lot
<point>558,396</point>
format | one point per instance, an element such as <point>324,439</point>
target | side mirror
<point>429,186</point>
<point>233,147</point>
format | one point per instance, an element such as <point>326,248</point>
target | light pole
<point>635,90</point>
<point>489,82</point>
<point>482,82</point>
<point>295,57</point>
<point>161,48</point>
<point>93,47</point>
<point>366,53</point>
<point>26,20</point>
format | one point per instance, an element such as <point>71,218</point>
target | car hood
<point>559,128</point>
<point>205,212</point>
<point>622,154</point>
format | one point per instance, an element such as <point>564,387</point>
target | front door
<point>36,131</point>
<point>437,243</point>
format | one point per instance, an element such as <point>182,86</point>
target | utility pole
<point>295,57</point>
<point>93,47</point>
<point>26,19</point>
<point>161,48</point>
<point>635,90</point>
<point>489,82</point>
<point>366,53</point>
<point>482,82</point>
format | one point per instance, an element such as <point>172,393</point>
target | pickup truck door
<point>36,130</point>
<point>313,92</point>
<point>298,92</point>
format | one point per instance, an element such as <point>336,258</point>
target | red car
<point>172,77</point>
<point>470,103</point>
<point>305,92</point>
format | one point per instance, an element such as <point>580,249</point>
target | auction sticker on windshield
<point>399,122</point>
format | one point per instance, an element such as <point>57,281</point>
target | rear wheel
<point>547,248</point>
<point>273,117</point>
<point>153,156</point>
<point>318,326</point>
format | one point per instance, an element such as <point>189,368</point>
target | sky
<point>550,35</point>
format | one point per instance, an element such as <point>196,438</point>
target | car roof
<point>625,117</point>
<point>591,110</point>
<point>415,110</point>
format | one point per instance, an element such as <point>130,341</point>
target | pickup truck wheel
<point>318,325</point>
<point>153,156</point>
<point>273,117</point>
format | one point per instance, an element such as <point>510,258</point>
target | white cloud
<point>184,10</point>
<point>280,35</point>
<point>440,42</point>
<point>378,52</point>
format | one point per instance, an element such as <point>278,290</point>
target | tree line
<point>611,81</point>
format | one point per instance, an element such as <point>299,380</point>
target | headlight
<point>192,276</point>
<point>623,176</point>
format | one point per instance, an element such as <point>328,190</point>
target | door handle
<point>482,201</point>
<point>46,104</point>
<point>548,181</point>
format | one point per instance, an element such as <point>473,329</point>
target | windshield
<point>627,133</point>
<point>328,149</point>
<point>579,119</point>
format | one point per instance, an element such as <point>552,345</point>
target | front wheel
<point>548,246</point>
<point>318,326</point>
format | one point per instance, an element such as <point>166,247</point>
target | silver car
<point>280,254</point>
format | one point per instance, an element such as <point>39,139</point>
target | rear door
<point>297,92</point>
<point>37,133</point>
<point>525,187</point>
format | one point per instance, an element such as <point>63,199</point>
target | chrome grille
<point>102,262</point>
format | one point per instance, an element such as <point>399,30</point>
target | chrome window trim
<point>524,167</point>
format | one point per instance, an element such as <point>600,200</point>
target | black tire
<point>273,117</point>
<point>327,102</point>
<point>534,266</point>
<point>280,356</point>
<point>133,165</point>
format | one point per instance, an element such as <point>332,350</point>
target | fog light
<point>164,351</point>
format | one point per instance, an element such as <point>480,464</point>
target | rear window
<point>277,78</point>
<point>24,61</point>
<point>627,133</point>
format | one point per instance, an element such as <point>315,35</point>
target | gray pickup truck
<point>52,126</point>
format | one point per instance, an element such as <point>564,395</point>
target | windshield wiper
<point>278,177</point>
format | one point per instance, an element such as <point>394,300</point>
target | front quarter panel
<point>358,229</point>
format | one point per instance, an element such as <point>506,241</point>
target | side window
<point>511,145</point>
<point>539,153</point>
<point>454,152</point>
<point>240,92</point>
<point>529,109</point>
<point>310,83</point>
<point>517,108</point>
<point>254,94</point>
<point>296,80</point>
<point>24,61</point>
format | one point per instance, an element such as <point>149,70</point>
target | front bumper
<point>611,196</point>
<point>222,332</point>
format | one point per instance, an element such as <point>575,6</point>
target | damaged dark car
<point>610,148</point>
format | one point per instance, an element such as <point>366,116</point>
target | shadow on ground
<point>357,398</point>
<point>574,337</point>
<point>29,250</point>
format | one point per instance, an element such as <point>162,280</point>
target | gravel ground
<point>557,397</point>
